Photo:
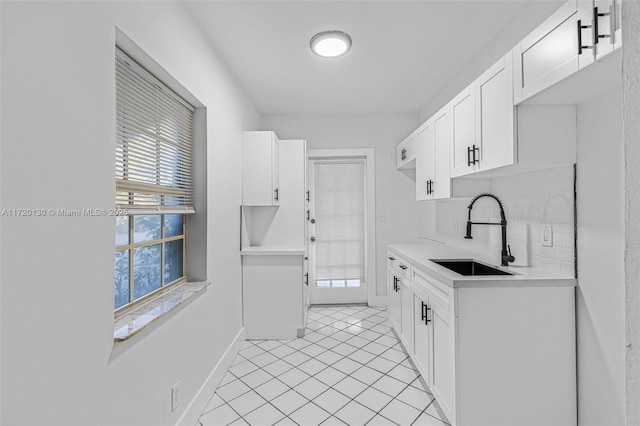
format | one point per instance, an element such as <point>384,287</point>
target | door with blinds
<point>337,231</point>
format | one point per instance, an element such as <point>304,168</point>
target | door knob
<point>312,239</point>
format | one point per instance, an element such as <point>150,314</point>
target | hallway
<point>348,369</point>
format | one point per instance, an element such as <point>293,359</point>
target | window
<point>340,223</point>
<point>154,183</point>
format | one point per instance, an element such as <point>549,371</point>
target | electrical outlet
<point>547,235</point>
<point>175,396</point>
<point>454,225</point>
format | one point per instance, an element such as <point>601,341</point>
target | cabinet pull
<point>424,312</point>
<point>277,196</point>
<point>403,154</point>
<point>307,215</point>
<point>469,156</point>
<point>306,278</point>
<point>476,149</point>
<point>596,35</point>
<point>403,267</point>
<point>308,196</point>
<point>391,258</point>
<point>580,28</point>
<point>426,316</point>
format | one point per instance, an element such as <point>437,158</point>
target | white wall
<point>59,361</point>
<point>600,295</point>
<point>631,120</point>
<point>398,219</point>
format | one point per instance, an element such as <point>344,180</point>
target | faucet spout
<point>506,250</point>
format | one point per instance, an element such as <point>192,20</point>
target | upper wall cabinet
<point>260,169</point>
<point>578,33</point>
<point>406,153</point>
<point>464,150</point>
<point>606,26</point>
<point>433,177</point>
<point>482,122</point>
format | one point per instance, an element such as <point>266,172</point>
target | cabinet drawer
<point>392,260</point>
<point>404,268</point>
<point>441,292</point>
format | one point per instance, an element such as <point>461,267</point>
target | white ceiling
<point>403,54</point>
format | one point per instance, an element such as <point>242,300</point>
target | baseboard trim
<point>378,302</point>
<point>199,402</point>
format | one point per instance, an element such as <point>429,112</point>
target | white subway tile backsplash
<point>530,199</point>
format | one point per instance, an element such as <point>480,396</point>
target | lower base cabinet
<point>491,355</point>
<point>273,301</point>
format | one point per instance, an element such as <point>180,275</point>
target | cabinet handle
<point>403,154</point>
<point>391,258</point>
<point>596,35</point>
<point>580,28</point>
<point>403,267</point>
<point>308,196</point>
<point>424,312</point>
<point>277,196</point>
<point>308,215</point>
<point>426,316</point>
<point>469,156</point>
<point>476,160</point>
<point>306,278</point>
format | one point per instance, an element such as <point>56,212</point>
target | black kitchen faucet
<point>506,250</point>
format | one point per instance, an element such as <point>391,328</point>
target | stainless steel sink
<point>469,267</point>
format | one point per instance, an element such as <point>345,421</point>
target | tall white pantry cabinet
<point>273,236</point>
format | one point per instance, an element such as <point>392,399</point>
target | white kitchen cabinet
<point>422,335</point>
<point>433,177</point>
<point>495,116</point>
<point>406,153</point>
<point>464,148</point>
<point>272,294</point>
<point>425,161</point>
<point>394,298</point>
<point>260,169</point>
<point>406,312</point>
<point>482,347</point>
<point>443,357</point>
<point>560,46</point>
<point>483,122</point>
<point>609,30</point>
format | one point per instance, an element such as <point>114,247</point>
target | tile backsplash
<point>530,200</point>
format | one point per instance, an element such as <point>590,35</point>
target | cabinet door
<point>406,153</point>
<point>393,300</point>
<point>495,115</point>
<point>421,335</point>
<point>444,358</point>
<point>406,313</point>
<point>552,52</point>
<point>441,186</point>
<point>607,13</point>
<point>425,161</point>
<point>463,132</point>
<point>275,170</point>
<point>260,169</point>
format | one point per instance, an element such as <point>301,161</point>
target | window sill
<point>132,322</point>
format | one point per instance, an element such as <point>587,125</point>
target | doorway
<point>341,231</point>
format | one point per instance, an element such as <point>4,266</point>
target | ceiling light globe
<point>330,44</point>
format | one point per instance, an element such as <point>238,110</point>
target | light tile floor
<point>349,368</point>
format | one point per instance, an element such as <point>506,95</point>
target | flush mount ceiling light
<point>330,44</point>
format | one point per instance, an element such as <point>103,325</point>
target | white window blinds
<point>340,224</point>
<point>154,143</point>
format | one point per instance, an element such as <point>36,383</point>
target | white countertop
<point>272,251</point>
<point>523,276</point>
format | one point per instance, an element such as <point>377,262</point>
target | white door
<point>337,273</point>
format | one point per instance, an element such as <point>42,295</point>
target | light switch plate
<point>546,235</point>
